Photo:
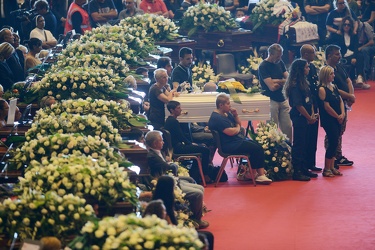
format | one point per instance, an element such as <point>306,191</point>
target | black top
<point>333,98</point>
<point>181,74</point>
<point>177,135</point>
<point>340,78</point>
<point>313,80</point>
<point>297,97</point>
<point>275,71</point>
<point>157,109</point>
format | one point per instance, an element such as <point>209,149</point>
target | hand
<point>234,112</point>
<point>313,119</point>
<point>340,119</point>
<point>176,94</point>
<point>207,130</point>
<point>353,61</point>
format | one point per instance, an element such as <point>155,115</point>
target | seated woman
<point>334,18</point>
<point>35,46</point>
<point>158,208</point>
<point>351,57</point>
<point>48,40</point>
<point>225,120</point>
<point>6,75</point>
<point>4,108</point>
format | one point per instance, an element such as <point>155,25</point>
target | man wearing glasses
<point>130,9</point>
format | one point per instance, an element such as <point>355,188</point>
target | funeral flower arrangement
<point>74,83</point>
<point>136,43</point>
<point>252,67</point>
<point>74,123</point>
<point>320,60</point>
<point>59,145</point>
<point>263,13</point>
<point>131,232</point>
<point>119,113</point>
<point>276,150</point>
<point>157,27</point>
<point>34,215</point>
<point>109,62</point>
<point>203,73</point>
<point>223,86</point>
<point>207,17</point>
<point>82,176</point>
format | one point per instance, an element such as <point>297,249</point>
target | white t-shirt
<point>42,35</point>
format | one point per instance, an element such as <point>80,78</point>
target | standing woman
<point>302,114</point>
<point>35,46</point>
<point>332,115</point>
<point>49,41</point>
<point>159,94</point>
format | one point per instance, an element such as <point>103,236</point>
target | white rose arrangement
<point>82,176</point>
<point>276,150</point>
<point>263,13</point>
<point>207,17</point>
<point>320,60</point>
<point>74,123</point>
<point>109,62</point>
<point>252,67</point>
<point>202,74</point>
<point>58,145</point>
<point>74,83</point>
<point>131,232</point>
<point>119,113</point>
<point>34,215</point>
<point>157,27</point>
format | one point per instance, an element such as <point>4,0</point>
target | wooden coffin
<point>229,41</point>
<point>198,107</point>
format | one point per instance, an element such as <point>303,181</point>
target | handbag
<point>243,173</point>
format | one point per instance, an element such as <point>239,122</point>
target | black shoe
<point>310,174</point>
<point>300,177</point>
<point>315,169</point>
<point>336,166</point>
<point>343,161</point>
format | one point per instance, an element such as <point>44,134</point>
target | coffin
<point>229,41</point>
<point>197,107</point>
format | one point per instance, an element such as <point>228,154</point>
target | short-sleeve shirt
<point>334,18</point>
<point>220,123</point>
<point>274,71</point>
<point>367,11</point>
<point>96,6</point>
<point>340,78</point>
<point>156,6</point>
<point>157,109</point>
<point>319,19</point>
<point>124,13</point>
<point>181,74</point>
<point>297,97</point>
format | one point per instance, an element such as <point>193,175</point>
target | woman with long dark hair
<point>302,114</point>
<point>352,58</point>
<point>164,191</point>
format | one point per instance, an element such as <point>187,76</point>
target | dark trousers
<point>312,142</point>
<point>333,131</point>
<point>300,140</point>
<point>254,151</point>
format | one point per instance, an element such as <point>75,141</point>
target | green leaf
<point>136,122</point>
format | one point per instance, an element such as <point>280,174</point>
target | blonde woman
<point>332,115</point>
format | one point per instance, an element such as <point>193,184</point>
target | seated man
<point>159,166</point>
<point>101,12</point>
<point>181,144</point>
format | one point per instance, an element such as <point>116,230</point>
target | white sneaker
<point>366,86</point>
<point>359,80</point>
<point>262,179</point>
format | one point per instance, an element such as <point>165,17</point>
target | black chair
<point>168,148</point>
<point>230,157</point>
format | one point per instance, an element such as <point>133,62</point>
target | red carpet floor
<point>325,213</point>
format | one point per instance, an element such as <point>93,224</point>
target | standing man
<point>77,18</point>
<point>308,53</point>
<point>272,77</point>
<point>101,12</point>
<point>346,90</point>
<point>183,73</point>
<point>60,9</point>
<point>317,12</point>
<point>130,9</point>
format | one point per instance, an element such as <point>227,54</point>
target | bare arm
<point>167,96</point>
<point>274,84</point>
<point>372,18</point>
<point>234,130</point>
